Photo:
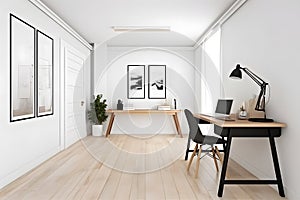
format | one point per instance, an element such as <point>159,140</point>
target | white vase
<point>243,114</point>
<point>97,130</point>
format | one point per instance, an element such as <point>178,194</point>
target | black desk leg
<point>224,167</point>
<point>187,148</point>
<point>276,166</point>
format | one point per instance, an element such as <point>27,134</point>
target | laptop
<point>222,110</point>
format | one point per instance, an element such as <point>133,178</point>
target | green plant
<point>242,108</point>
<point>97,114</point>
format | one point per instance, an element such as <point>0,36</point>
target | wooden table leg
<point>175,117</point>
<point>110,124</point>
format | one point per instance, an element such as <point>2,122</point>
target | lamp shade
<point>236,73</point>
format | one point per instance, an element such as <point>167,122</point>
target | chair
<point>196,136</point>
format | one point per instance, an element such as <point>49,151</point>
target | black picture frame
<point>44,74</point>
<point>22,69</point>
<point>136,81</point>
<point>157,77</point>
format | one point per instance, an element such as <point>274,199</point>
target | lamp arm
<point>261,102</point>
<point>254,77</point>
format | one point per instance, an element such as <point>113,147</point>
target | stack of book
<point>164,107</point>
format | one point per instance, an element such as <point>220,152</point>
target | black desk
<point>245,128</point>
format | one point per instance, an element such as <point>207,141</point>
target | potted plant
<point>97,115</point>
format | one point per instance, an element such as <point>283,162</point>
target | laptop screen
<point>224,106</point>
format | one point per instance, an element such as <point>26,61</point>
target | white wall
<point>111,80</point>
<point>264,35</point>
<point>25,144</point>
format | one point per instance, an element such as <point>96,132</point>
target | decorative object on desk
<point>175,104</point>
<point>157,81</point>
<point>128,106</point>
<point>252,113</point>
<point>97,115</point>
<point>165,106</point>
<point>44,74</point>
<point>243,112</point>
<point>120,105</point>
<point>136,81</point>
<point>22,70</point>
<point>260,104</point>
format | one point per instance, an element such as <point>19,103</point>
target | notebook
<point>222,110</point>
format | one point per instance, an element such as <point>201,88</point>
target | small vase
<point>243,114</point>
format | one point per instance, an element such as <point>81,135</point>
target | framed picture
<point>44,74</point>
<point>157,81</point>
<point>136,81</point>
<point>22,69</point>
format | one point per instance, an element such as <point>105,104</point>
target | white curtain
<point>211,72</point>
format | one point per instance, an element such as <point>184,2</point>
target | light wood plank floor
<point>129,167</point>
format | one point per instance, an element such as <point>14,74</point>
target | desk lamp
<point>261,102</point>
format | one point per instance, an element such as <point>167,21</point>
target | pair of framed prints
<point>136,83</point>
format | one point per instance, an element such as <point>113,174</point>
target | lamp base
<point>260,120</point>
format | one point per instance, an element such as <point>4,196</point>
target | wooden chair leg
<point>214,156</point>
<point>192,157</point>
<point>219,155</point>
<point>198,161</point>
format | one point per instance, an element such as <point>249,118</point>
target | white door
<point>74,122</point>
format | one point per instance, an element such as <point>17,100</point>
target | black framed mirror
<point>22,69</point>
<point>44,74</point>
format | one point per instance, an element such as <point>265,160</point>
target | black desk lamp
<point>261,102</point>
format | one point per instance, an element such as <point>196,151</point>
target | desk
<point>245,128</point>
<point>173,113</point>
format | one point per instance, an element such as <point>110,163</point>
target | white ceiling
<point>93,19</point>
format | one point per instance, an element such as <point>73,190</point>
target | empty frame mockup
<point>44,74</point>
<point>22,69</point>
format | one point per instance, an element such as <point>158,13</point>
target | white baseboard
<point>27,167</point>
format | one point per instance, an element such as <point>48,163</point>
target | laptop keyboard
<point>225,118</point>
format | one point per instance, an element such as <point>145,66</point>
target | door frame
<point>62,126</point>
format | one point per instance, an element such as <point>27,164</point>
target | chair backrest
<point>195,132</point>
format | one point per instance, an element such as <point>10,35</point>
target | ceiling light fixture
<point>140,28</point>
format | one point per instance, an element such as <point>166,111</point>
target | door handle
<point>82,103</point>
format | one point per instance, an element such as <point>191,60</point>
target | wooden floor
<point>129,167</point>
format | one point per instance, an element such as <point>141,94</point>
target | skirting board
<point>27,167</point>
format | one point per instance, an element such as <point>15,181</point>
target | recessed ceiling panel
<point>93,19</point>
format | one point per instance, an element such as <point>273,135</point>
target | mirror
<point>44,74</point>
<point>22,82</point>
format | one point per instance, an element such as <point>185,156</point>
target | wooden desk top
<point>238,123</point>
<point>143,111</point>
